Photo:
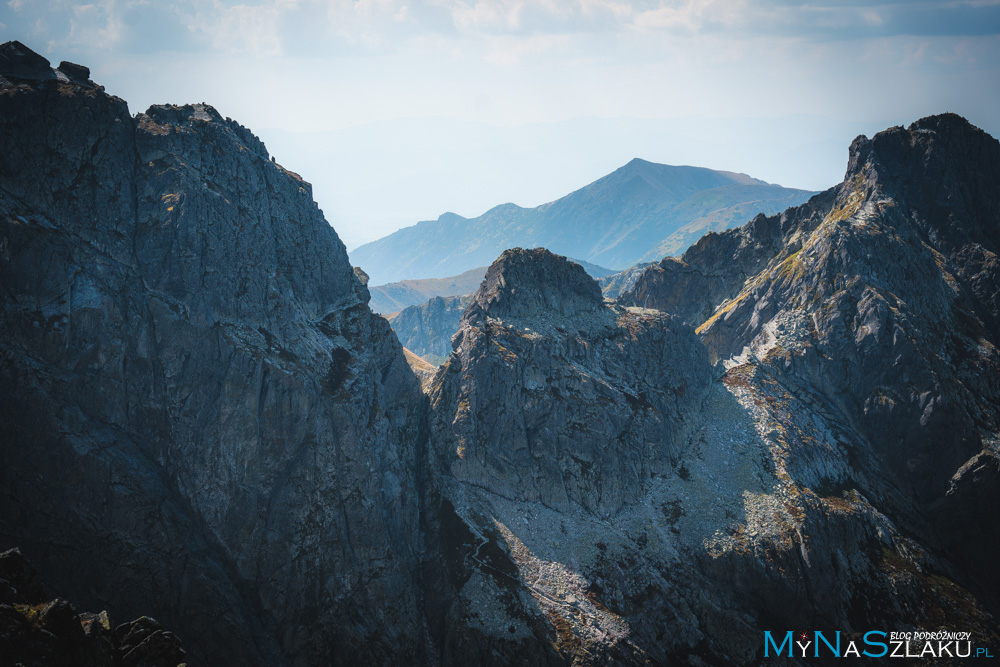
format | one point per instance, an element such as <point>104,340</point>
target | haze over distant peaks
<point>640,212</point>
<point>394,297</point>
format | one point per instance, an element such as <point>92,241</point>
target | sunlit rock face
<point>800,481</point>
<point>202,419</point>
<point>554,397</point>
<point>554,412</point>
<point>883,296</point>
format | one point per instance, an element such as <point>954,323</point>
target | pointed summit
<point>18,61</point>
<point>944,167</point>
<point>884,293</point>
<point>529,282</point>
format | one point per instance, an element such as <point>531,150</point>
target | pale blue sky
<point>398,111</point>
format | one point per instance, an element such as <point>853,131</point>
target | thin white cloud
<point>488,15</point>
<point>96,23</point>
<point>513,50</point>
<point>244,28</point>
<point>336,28</point>
<point>328,64</point>
<point>693,15</point>
<point>872,18</point>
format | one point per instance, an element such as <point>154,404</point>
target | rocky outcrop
<point>552,405</point>
<point>830,473</point>
<point>38,630</point>
<point>604,491</point>
<point>427,329</point>
<point>882,295</point>
<point>76,73</point>
<point>553,397</point>
<point>20,62</point>
<point>188,351</point>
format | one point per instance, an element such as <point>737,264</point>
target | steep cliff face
<point>882,294</point>
<point>554,412</point>
<point>558,398</point>
<point>762,498</point>
<point>201,410</point>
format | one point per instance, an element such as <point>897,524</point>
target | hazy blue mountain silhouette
<point>640,212</point>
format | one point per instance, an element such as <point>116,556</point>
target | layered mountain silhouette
<point>426,328</point>
<point>393,297</point>
<point>883,295</point>
<point>792,426</point>
<point>639,213</point>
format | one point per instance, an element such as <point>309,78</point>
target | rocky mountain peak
<point>237,387</point>
<point>203,420</point>
<point>941,164</point>
<point>850,411</point>
<point>193,117</point>
<point>18,62</point>
<point>890,142</point>
<point>883,293</point>
<point>524,283</point>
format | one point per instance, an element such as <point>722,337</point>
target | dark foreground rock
<point>39,632</point>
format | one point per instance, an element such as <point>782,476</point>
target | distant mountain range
<point>638,213</point>
<point>394,297</point>
<point>425,329</point>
